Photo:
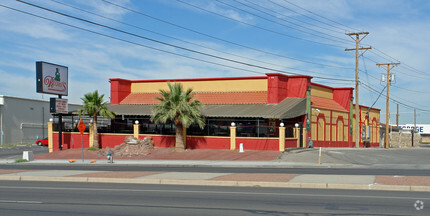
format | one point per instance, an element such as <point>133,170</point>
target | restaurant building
<point>312,114</point>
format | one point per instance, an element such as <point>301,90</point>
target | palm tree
<point>178,106</point>
<point>93,106</point>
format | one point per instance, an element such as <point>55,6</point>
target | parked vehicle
<point>42,142</point>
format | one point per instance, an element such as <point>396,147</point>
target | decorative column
<point>297,134</point>
<point>282,137</point>
<point>91,134</point>
<point>304,138</point>
<point>233,136</point>
<point>50,135</point>
<point>308,118</point>
<point>184,136</point>
<point>136,129</point>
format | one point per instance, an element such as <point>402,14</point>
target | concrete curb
<point>221,183</point>
<point>207,163</point>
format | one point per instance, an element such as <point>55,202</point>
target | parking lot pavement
<point>15,152</point>
<point>360,156</point>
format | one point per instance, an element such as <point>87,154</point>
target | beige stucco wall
<point>239,85</point>
<point>320,91</point>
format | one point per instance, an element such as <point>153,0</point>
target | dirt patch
<point>11,171</point>
<point>403,180</point>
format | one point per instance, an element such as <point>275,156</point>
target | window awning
<point>288,108</point>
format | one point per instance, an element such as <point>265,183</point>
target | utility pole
<point>357,105</point>
<point>387,119</point>
<point>397,116</point>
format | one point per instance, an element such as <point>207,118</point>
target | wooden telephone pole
<point>397,116</point>
<point>357,105</point>
<point>387,118</point>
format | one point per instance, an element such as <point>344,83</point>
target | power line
<point>290,17</point>
<point>220,39</point>
<point>319,16</point>
<point>423,92</point>
<point>258,27</point>
<point>394,100</point>
<point>399,71</point>
<point>403,64</point>
<point>185,41</point>
<point>167,44</point>
<point>341,40</point>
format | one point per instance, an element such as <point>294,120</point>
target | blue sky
<point>272,35</point>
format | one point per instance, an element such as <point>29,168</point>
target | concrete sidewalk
<point>295,158</point>
<point>358,182</point>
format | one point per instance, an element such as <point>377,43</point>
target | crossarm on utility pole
<point>357,105</point>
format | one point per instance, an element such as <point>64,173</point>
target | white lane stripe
<point>212,192</point>
<point>19,201</point>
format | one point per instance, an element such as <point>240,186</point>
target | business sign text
<point>51,78</point>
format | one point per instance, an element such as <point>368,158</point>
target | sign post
<point>53,79</point>
<point>81,128</point>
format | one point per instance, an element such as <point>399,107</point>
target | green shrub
<point>21,160</point>
<point>93,149</point>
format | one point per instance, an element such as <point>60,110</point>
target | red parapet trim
<point>289,76</point>
<point>198,79</point>
<point>118,79</point>
<point>333,88</point>
<point>362,106</point>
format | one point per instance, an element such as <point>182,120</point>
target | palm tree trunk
<point>179,143</point>
<point>95,134</point>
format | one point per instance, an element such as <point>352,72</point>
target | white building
<point>420,128</point>
<point>24,120</point>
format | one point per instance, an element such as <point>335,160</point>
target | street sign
<point>81,127</point>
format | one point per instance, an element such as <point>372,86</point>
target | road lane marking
<point>212,192</point>
<point>20,201</point>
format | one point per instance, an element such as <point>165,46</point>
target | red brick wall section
<point>208,143</point>
<point>70,140</point>
<point>119,89</point>
<point>275,89</point>
<point>297,86</point>
<point>343,96</point>
<point>111,140</point>
<point>73,140</point>
<point>330,144</point>
<point>258,144</point>
<point>281,86</point>
<point>162,141</point>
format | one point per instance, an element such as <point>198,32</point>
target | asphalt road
<point>16,152</point>
<point>49,198</point>
<point>325,171</point>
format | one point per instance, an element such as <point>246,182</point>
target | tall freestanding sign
<point>53,79</point>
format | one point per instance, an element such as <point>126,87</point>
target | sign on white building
<point>421,128</point>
